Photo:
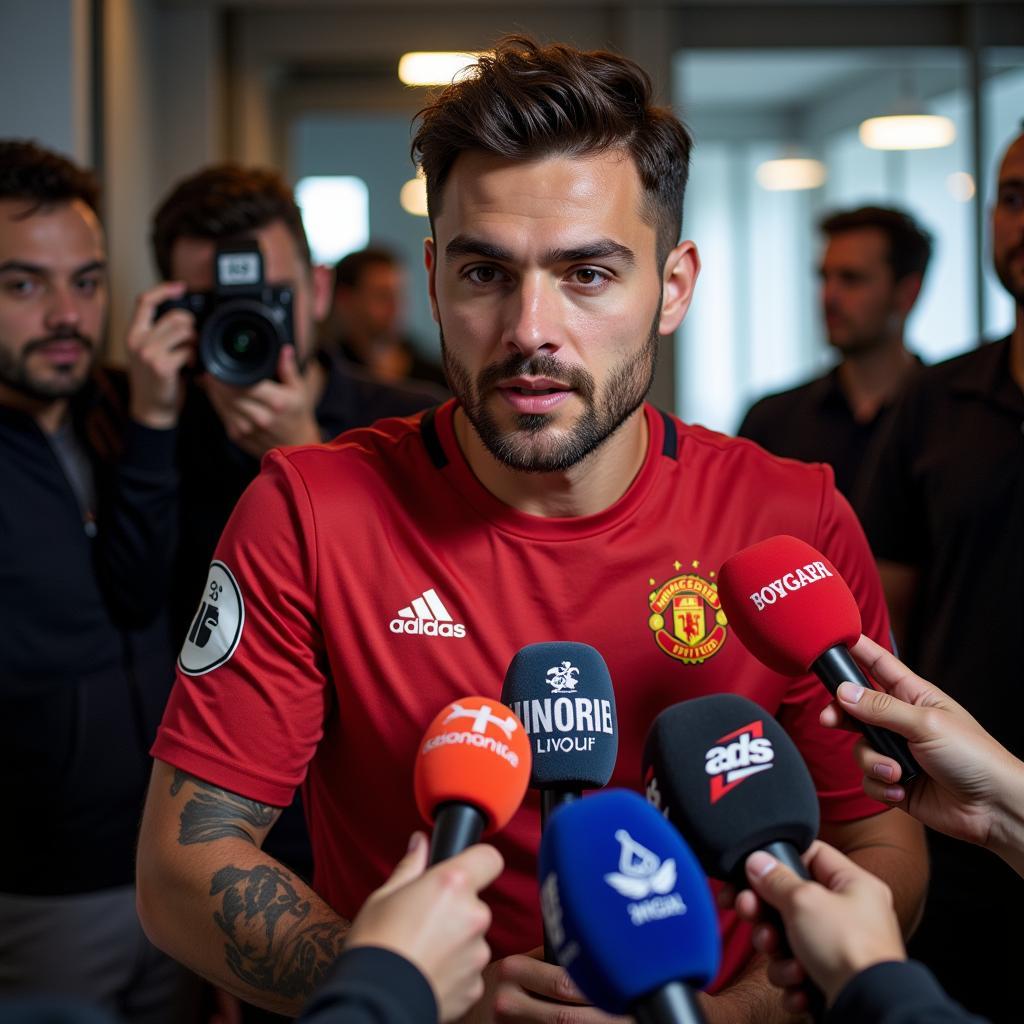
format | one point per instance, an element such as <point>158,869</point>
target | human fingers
<point>146,303</point>
<point>889,672</point>
<point>881,708</point>
<point>410,867</point>
<point>481,864</point>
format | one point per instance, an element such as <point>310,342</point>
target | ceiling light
<point>960,186</point>
<point>438,67</point>
<point>907,131</point>
<point>413,196</point>
<point>791,174</point>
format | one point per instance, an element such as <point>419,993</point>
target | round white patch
<point>217,627</point>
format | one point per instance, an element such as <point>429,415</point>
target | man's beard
<point>65,380</point>
<point>1005,275</point>
<point>524,448</point>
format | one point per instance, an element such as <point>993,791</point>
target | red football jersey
<point>361,585</point>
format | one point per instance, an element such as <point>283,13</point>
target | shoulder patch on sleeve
<point>217,626</point>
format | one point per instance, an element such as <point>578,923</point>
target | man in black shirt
<point>944,511</point>
<point>871,275</point>
<point>87,522</point>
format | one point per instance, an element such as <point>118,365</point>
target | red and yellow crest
<point>687,618</point>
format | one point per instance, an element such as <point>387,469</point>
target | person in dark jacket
<point>87,524</point>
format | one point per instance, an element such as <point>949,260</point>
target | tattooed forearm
<point>214,813</point>
<point>272,945</point>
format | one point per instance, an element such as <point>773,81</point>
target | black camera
<point>244,322</point>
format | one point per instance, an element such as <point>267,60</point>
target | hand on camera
<point>158,350</point>
<point>268,414</point>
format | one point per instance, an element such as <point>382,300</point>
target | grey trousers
<point>90,946</point>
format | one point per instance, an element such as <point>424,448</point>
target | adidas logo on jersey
<point>426,615</point>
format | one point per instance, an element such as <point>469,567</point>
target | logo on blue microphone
<point>647,880</point>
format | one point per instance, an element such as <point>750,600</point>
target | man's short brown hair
<point>42,177</point>
<point>910,245</point>
<point>525,101</point>
<point>224,202</point>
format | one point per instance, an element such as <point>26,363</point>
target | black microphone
<point>563,695</point>
<point>727,775</point>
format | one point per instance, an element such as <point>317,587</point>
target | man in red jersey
<point>362,585</point>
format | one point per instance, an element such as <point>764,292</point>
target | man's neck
<point>1017,349</point>
<point>585,489</point>
<point>871,378</point>
<point>49,413</point>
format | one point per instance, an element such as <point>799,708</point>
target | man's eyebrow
<point>465,245</point>
<point>601,249</point>
<point>40,271</point>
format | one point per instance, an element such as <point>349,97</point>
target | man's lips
<point>62,351</point>
<point>533,394</point>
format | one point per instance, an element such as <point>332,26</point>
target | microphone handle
<point>835,666</point>
<point>673,1003</point>
<point>550,801</point>
<point>787,854</point>
<point>456,827</point>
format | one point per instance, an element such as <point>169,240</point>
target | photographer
<point>304,397</point>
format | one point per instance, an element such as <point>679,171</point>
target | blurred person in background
<point>943,508</point>
<point>871,273</point>
<point>365,323</point>
<point>87,526</point>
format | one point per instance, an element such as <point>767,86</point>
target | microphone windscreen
<point>475,752</point>
<point>730,779</point>
<point>787,603</point>
<point>626,906</point>
<point>563,694</point>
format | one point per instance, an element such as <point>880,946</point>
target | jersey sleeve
<point>249,702</point>
<point>829,752</point>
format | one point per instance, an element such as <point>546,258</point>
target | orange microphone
<point>471,773</point>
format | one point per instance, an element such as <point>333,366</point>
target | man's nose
<point>63,309</point>
<point>535,316</point>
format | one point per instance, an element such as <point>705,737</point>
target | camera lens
<point>241,343</point>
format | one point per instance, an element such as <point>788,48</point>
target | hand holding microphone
<point>837,925</point>
<point>972,788</point>
<point>471,773</point>
<point>794,612</point>
<point>727,775</point>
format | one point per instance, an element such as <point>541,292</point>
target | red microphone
<point>794,612</point>
<point>471,773</point>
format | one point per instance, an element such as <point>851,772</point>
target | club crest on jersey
<point>737,756</point>
<point>686,617</point>
<point>217,627</point>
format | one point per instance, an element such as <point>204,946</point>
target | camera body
<point>243,322</point>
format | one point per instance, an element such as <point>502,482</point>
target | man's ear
<point>430,262</point>
<point>323,291</point>
<point>678,279</point>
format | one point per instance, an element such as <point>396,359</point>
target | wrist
<point>155,419</point>
<point>1006,836</point>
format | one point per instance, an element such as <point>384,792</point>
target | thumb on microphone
<point>409,868</point>
<point>837,925</point>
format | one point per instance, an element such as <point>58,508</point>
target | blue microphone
<point>627,908</point>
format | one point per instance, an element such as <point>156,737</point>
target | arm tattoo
<point>214,813</point>
<point>271,944</point>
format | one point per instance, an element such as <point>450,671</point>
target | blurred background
<point>147,91</point>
